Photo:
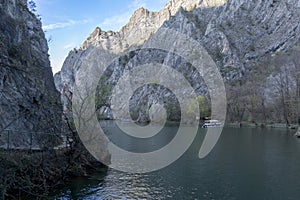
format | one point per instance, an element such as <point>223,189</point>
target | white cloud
<point>64,24</point>
<point>70,45</point>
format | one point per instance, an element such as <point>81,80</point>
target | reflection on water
<point>139,145</point>
<point>245,164</point>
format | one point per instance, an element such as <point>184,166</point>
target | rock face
<point>237,34</point>
<point>241,33</point>
<point>142,24</point>
<point>29,100</point>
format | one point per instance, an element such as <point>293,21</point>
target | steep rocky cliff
<point>141,26</point>
<point>28,98</point>
<point>241,33</point>
<point>238,35</point>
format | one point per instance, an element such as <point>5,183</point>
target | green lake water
<point>246,164</point>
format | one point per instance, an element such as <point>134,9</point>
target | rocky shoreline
<point>25,174</point>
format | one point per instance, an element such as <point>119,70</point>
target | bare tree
<point>287,67</point>
<point>236,101</point>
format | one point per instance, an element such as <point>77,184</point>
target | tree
<point>285,83</point>
<point>202,104</point>
<point>294,55</point>
<point>32,6</point>
<point>236,107</point>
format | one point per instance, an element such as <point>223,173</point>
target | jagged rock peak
<point>174,5</point>
<point>95,36</point>
<point>142,24</point>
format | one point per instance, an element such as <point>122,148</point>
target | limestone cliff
<point>141,25</point>
<point>238,35</point>
<point>29,100</point>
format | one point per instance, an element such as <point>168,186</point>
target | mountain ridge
<point>238,34</point>
<point>141,24</point>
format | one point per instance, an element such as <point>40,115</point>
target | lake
<point>246,163</point>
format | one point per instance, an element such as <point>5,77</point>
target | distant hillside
<point>243,37</point>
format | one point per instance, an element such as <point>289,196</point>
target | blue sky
<point>68,22</point>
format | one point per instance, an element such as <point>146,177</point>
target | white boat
<point>211,123</point>
<point>125,121</point>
